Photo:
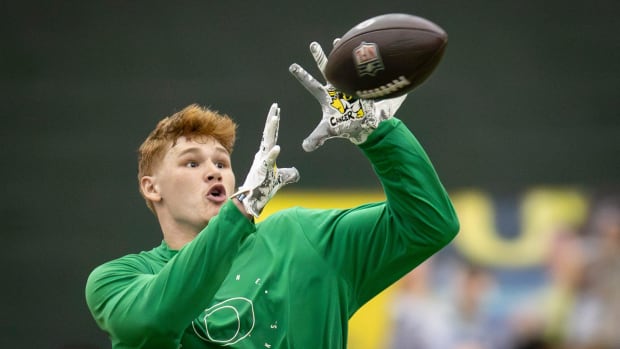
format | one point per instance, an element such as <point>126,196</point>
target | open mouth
<point>217,193</point>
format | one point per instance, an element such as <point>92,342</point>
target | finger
<point>316,139</point>
<point>396,102</point>
<point>308,81</point>
<point>270,133</point>
<point>288,175</point>
<point>270,159</point>
<point>319,57</point>
<point>388,107</point>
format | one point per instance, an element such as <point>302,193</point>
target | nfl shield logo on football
<point>367,59</point>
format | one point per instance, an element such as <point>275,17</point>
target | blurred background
<point>520,119</point>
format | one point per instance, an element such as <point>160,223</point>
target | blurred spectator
<point>471,318</point>
<point>541,321</point>
<point>425,320</point>
<point>596,321</point>
<point>579,306</point>
<point>576,305</point>
<point>420,317</point>
<point>566,271</point>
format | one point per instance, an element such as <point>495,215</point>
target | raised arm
<point>374,245</point>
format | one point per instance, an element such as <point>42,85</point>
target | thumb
<point>388,107</point>
<point>316,139</point>
<point>288,175</point>
<point>270,159</point>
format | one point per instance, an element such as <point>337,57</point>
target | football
<point>385,56</point>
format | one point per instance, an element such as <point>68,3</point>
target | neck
<point>176,234</point>
<point>177,241</point>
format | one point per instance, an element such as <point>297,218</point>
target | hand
<point>343,116</point>
<point>265,178</point>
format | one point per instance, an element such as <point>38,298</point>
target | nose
<point>213,173</point>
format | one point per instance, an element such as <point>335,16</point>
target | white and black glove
<point>264,178</point>
<point>343,116</point>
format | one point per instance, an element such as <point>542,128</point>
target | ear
<point>149,188</point>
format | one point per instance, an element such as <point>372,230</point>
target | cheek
<point>180,183</point>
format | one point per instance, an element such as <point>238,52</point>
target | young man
<point>291,281</point>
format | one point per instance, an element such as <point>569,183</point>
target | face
<point>192,182</point>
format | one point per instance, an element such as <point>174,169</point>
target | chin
<point>211,212</point>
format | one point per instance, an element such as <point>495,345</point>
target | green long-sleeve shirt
<point>291,281</point>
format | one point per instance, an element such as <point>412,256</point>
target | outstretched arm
<point>374,245</point>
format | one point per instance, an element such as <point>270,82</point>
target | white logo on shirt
<point>226,322</point>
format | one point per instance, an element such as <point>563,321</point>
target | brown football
<point>386,56</point>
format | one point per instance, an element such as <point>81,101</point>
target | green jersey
<point>290,281</point>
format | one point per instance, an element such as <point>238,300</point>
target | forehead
<point>183,145</point>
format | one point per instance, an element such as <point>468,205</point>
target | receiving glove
<point>264,178</point>
<point>343,116</point>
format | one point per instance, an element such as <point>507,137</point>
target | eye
<point>191,163</point>
<point>220,164</point>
